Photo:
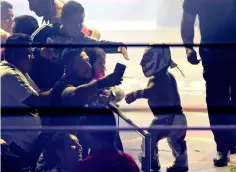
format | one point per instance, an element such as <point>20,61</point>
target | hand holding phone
<point>114,78</point>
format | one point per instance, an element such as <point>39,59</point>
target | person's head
<point>40,7</point>
<point>156,59</point>
<point>66,148</point>
<point>97,58</point>
<point>103,139</point>
<point>19,56</point>
<point>72,16</point>
<point>77,63</point>
<point>7,15</point>
<point>25,24</point>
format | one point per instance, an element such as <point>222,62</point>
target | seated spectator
<point>18,98</point>
<point>105,156</point>
<point>66,153</point>
<point>51,10</point>
<point>25,24</point>
<point>65,33</point>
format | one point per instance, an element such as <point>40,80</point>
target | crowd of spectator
<point>71,80</point>
<point>68,86</point>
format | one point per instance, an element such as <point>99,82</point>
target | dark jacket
<point>46,72</point>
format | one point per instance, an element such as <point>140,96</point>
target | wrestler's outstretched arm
<point>138,94</point>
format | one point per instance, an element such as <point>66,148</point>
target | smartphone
<point>120,69</point>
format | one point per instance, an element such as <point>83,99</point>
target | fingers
<point>192,57</point>
<point>124,52</point>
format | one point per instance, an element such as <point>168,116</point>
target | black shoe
<point>175,168</point>
<point>155,165</point>
<point>221,160</point>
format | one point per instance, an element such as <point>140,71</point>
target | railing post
<point>147,150</point>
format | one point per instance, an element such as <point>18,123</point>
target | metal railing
<point>143,133</point>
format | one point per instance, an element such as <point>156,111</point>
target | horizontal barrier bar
<point>218,45</point>
<point>54,112</point>
<point>94,111</point>
<point>185,109</point>
<point>110,128</point>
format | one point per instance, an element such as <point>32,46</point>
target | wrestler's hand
<point>130,98</point>
<point>192,56</point>
<point>124,52</point>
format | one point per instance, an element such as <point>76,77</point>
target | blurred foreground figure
<point>164,102</point>
<point>217,25</point>
<point>51,10</point>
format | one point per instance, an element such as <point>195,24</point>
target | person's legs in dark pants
<point>216,75</point>
<point>156,136</point>
<point>177,143</point>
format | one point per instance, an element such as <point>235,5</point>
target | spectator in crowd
<point>25,24</point>
<point>65,33</point>
<point>75,90</point>
<point>18,93</point>
<point>51,10</point>
<point>66,152</point>
<point>105,156</point>
<point>97,58</point>
<point>7,15</point>
<point>20,27</point>
<point>220,83</point>
<point>164,102</point>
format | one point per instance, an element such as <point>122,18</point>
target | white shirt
<point>15,88</point>
<point>32,83</point>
